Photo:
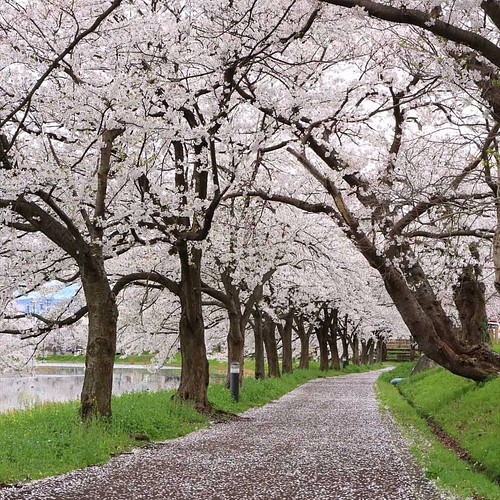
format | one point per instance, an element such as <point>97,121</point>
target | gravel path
<point>325,440</point>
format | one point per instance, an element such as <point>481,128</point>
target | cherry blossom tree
<point>56,167</point>
<point>468,34</point>
<point>354,158</point>
<point>245,249</point>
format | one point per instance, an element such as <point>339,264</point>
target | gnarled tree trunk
<point>354,344</point>
<point>366,349</point>
<point>101,341</point>
<point>371,352</point>
<point>468,296</point>
<point>433,331</point>
<point>380,350</point>
<point>194,375</point>
<point>332,340</point>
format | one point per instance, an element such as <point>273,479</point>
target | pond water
<point>63,382</point>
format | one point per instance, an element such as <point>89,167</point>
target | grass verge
<point>49,439</point>
<point>462,408</point>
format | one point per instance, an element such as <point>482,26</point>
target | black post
<point>234,380</point>
<point>345,361</point>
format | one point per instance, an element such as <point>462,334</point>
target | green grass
<point>49,439</point>
<point>466,410</point>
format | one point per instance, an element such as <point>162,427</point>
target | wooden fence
<point>402,350</point>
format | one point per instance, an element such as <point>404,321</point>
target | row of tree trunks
<point>331,329</point>
<point>265,341</point>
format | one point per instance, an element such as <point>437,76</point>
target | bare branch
<point>476,233</point>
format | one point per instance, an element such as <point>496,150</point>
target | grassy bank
<point>49,439</point>
<point>216,366</point>
<point>467,411</point>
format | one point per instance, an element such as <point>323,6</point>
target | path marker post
<point>234,380</point>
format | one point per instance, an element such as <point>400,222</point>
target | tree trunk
<point>286,341</point>
<point>496,242</point>
<point>344,339</point>
<point>235,343</point>
<point>322,335</point>
<point>194,375</point>
<point>101,341</point>
<point>304,343</point>
<point>332,340</point>
<point>371,352</point>
<point>334,350</point>
<point>259,344</point>
<point>468,296</point>
<point>364,352</point>
<point>434,335</point>
<point>354,344</point>
<point>424,315</point>
<point>408,286</point>
<point>268,331</point>
<point>380,350</point>
<point>366,349</point>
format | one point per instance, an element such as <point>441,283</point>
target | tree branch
<point>477,233</point>
<point>55,63</point>
<point>426,21</point>
<point>155,277</point>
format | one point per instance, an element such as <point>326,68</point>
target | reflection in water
<point>65,383</point>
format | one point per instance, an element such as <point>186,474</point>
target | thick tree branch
<point>316,208</point>
<point>492,9</point>
<point>154,277</point>
<point>476,233</point>
<point>423,206</point>
<point>428,22</point>
<point>46,224</point>
<point>57,323</point>
<point>217,295</point>
<point>108,137</point>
